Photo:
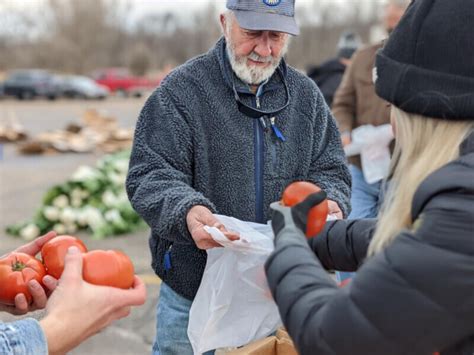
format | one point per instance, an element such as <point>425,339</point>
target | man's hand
<point>346,138</point>
<point>200,216</point>
<point>35,246</point>
<point>334,209</point>
<point>39,295</point>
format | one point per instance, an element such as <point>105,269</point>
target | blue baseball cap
<point>265,15</point>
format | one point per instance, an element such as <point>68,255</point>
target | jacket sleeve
<point>343,244</point>
<point>415,297</point>
<point>159,181</point>
<point>329,167</point>
<point>344,102</point>
<point>23,337</point>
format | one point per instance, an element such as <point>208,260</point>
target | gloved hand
<point>295,217</point>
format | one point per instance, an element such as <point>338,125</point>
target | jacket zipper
<point>259,126</point>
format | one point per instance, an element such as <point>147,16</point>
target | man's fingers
<point>50,282</point>
<point>334,209</point>
<point>135,296</point>
<point>35,246</point>
<point>72,264</point>
<point>232,235</point>
<point>219,226</point>
<point>21,304</point>
<point>208,244</point>
<point>40,241</point>
<point>38,294</point>
<point>121,313</point>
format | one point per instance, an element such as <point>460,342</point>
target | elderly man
<point>226,132</point>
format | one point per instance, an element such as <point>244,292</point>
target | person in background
<point>225,133</point>
<point>328,76</point>
<point>414,289</point>
<point>356,104</point>
<point>75,311</point>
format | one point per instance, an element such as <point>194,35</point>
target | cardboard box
<point>279,344</point>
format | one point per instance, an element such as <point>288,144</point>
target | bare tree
<point>80,36</point>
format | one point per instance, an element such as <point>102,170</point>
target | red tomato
<point>55,250</point>
<point>108,268</point>
<point>295,193</point>
<point>16,270</point>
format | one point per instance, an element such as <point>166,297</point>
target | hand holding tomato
<point>54,252</point>
<point>77,309</point>
<point>314,217</point>
<point>16,271</point>
<point>22,277</point>
<point>106,268</point>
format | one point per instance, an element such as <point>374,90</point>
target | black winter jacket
<point>328,77</point>
<point>415,297</point>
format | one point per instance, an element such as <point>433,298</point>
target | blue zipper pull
<point>167,260</point>
<point>276,130</point>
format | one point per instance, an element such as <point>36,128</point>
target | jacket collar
<point>274,83</point>
<point>450,177</point>
<point>467,145</point>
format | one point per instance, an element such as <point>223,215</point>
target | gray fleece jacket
<point>193,147</point>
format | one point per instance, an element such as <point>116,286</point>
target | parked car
<point>121,82</point>
<point>76,86</point>
<point>31,83</point>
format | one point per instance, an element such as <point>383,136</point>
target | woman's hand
<point>295,217</point>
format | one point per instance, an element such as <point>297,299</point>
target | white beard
<point>250,74</point>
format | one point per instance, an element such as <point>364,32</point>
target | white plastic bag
<point>233,305</point>
<point>372,144</point>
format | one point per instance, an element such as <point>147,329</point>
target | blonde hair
<point>423,145</point>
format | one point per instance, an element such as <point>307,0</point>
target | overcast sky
<point>177,6</point>
<point>182,8</point>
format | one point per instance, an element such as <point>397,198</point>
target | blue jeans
<point>365,197</point>
<point>365,204</point>
<point>172,318</point>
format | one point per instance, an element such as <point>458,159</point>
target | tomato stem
<point>18,265</point>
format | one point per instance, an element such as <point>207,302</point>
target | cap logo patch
<point>272,2</point>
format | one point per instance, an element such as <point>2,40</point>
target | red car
<point>120,81</point>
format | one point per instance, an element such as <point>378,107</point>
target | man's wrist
<point>56,338</point>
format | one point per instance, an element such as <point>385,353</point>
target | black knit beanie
<point>427,65</point>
